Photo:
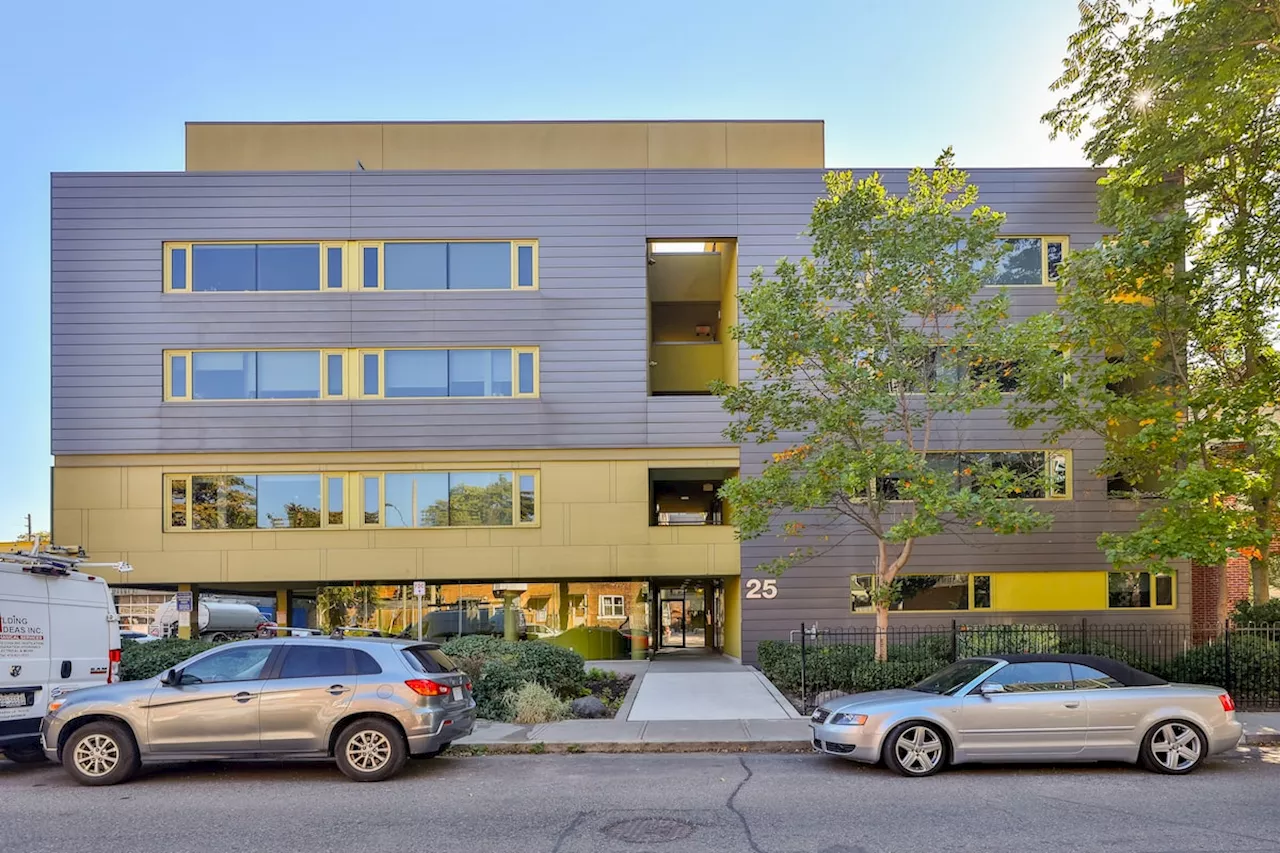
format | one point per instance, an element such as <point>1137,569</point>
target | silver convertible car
<point>1031,707</point>
<point>367,703</point>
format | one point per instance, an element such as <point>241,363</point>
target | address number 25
<point>766,588</point>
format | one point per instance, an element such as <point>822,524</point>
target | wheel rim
<point>96,755</point>
<point>1176,746</point>
<point>369,751</point>
<point>918,749</point>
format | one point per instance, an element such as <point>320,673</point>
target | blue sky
<point>107,86</point>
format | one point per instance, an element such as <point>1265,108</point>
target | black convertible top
<point>1121,672</point>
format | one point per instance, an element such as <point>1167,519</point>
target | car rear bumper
<point>1225,737</point>
<point>442,730</point>
<point>857,743</point>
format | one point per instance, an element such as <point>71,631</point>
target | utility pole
<point>28,527</point>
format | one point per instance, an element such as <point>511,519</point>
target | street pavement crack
<point>568,831</point>
<point>746,827</point>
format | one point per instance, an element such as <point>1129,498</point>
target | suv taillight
<point>113,665</point>
<point>1228,704</point>
<point>427,687</point>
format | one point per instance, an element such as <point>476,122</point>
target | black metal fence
<point>1244,660</point>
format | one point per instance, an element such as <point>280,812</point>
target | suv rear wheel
<point>370,750</point>
<point>100,753</point>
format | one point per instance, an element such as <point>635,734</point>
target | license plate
<point>456,694</point>
<point>14,700</point>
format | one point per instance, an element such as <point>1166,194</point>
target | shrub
<point>1006,639</point>
<point>140,661</point>
<point>780,663</point>
<point>556,668</point>
<point>475,646</point>
<point>1248,613</point>
<point>1255,665</point>
<point>498,677</point>
<point>891,674</point>
<point>531,703</point>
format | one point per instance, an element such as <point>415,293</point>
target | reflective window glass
<point>365,664</point>
<point>224,268</point>
<point>178,376</point>
<point>370,371</point>
<point>178,269</point>
<point>370,263</point>
<point>224,502</point>
<point>526,372</point>
<point>415,266</point>
<point>288,375</point>
<point>288,267</point>
<point>480,373</point>
<point>416,373</point>
<point>528,513</point>
<point>178,503</point>
<point>931,592</point>
<point>1088,678</point>
<point>524,266</point>
<point>238,663</point>
<point>1022,264</point>
<point>1164,590</point>
<point>334,271</point>
<point>479,499</point>
<point>1035,677</point>
<point>1128,589</point>
<point>479,266</point>
<point>981,592</point>
<point>288,500</point>
<point>335,498</point>
<point>372,500</point>
<point>223,376</point>
<point>419,499</point>
<point>334,379</point>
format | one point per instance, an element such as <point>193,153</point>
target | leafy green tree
<point>338,606</point>
<point>865,352</point>
<point>224,502</point>
<point>1170,323</point>
<point>472,506</point>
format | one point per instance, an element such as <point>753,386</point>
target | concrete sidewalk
<point>619,735</point>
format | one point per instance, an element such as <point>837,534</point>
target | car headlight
<point>847,719</point>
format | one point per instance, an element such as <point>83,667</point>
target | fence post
<point>1226,645</point>
<point>804,694</point>
<point>955,642</point>
<point>1084,634</point>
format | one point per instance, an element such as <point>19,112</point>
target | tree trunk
<point>1261,581</point>
<point>882,631</point>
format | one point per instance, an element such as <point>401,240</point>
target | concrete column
<point>510,622</point>
<point>192,628</point>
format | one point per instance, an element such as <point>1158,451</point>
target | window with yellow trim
<point>281,266</point>
<point>923,593</point>
<point>251,374</point>
<point>448,265</point>
<point>1029,261</point>
<point>1141,590</point>
<point>312,501</point>
<point>470,372</point>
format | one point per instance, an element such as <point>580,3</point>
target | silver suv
<point>367,703</point>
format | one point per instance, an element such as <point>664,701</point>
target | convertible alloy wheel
<point>1174,748</point>
<point>917,749</point>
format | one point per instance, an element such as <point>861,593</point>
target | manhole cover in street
<point>649,830</point>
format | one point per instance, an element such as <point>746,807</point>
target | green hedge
<point>140,661</point>
<point>498,667</point>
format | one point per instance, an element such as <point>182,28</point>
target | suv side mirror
<point>988,688</point>
<point>172,678</point>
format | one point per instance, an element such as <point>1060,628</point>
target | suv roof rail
<point>342,630</point>
<point>289,630</point>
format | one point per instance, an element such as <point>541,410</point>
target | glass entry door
<point>683,614</point>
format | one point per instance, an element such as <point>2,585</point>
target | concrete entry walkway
<point>706,688</point>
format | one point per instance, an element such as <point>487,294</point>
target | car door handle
<point>1072,704</point>
<point>242,697</point>
<point>337,690</point>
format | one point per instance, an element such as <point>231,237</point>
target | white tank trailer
<point>218,620</point>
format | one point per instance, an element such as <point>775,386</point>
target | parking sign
<point>184,602</point>
<point>419,588</point>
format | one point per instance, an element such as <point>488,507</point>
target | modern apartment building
<point>476,355</point>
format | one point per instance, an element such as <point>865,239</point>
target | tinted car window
<point>423,659</point>
<point>950,679</point>
<point>1033,677</point>
<point>1088,678</point>
<point>237,664</point>
<point>313,662</point>
<point>365,664</point>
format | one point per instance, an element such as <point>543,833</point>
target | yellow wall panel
<point>555,522</point>
<point>726,558</point>
<point>733,617</point>
<point>324,539</point>
<point>87,488</point>
<point>390,564</point>
<point>685,367</point>
<point>260,566</point>
<point>123,530</point>
<point>144,487</point>
<point>631,481</point>
<point>577,482</point>
<point>68,527</point>
<point>565,562</point>
<point>283,146</point>
<point>400,538</point>
<point>167,567</point>
<point>515,145</point>
<point>775,145</point>
<point>687,145</point>
<point>662,535</point>
<point>608,524</point>
<point>1049,591</point>
<point>664,560</point>
<point>264,540</point>
<point>204,540</point>
<point>469,563</point>
<point>710,535</point>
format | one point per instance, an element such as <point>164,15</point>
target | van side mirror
<point>988,688</point>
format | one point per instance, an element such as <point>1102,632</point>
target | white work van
<point>58,632</point>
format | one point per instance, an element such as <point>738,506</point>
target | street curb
<point>1264,739</point>
<point>539,748</point>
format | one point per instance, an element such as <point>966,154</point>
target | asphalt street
<point>702,803</point>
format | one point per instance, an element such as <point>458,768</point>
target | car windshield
<point>948,680</point>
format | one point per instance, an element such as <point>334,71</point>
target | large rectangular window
<point>924,592</point>
<point>449,265</point>
<point>503,372</point>
<point>356,265</point>
<point>393,499</point>
<point>1140,590</point>
<point>1030,261</point>
<point>246,375</point>
<point>1031,475</point>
